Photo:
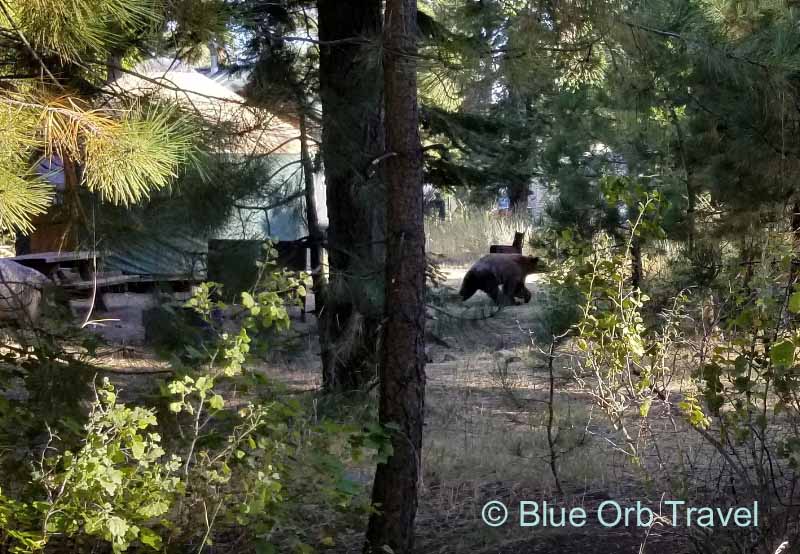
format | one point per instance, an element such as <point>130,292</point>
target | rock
<point>20,292</point>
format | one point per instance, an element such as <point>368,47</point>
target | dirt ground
<point>485,434</point>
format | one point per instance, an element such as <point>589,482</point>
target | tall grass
<point>467,235</point>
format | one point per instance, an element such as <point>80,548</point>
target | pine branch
<point>27,44</point>
<point>705,45</point>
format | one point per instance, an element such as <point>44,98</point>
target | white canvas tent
<point>260,133</point>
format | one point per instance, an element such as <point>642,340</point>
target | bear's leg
<point>469,286</point>
<point>524,293</point>
<point>510,288</point>
<point>493,291</point>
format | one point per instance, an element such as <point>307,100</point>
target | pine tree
<point>402,375</point>
<point>507,61</point>
<point>51,105</point>
<point>285,80</point>
<point>352,149</point>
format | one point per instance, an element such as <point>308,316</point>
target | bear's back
<point>507,258</point>
<point>501,265</point>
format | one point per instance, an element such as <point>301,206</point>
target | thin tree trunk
<point>73,216</point>
<point>402,384</point>
<point>636,262</point>
<point>637,272</point>
<point>551,434</point>
<point>691,194</point>
<point>352,136</point>
<point>519,190</point>
<point>312,219</point>
<point>518,197</point>
<point>113,61</point>
<point>795,225</point>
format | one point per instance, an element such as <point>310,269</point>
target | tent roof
<point>259,132</point>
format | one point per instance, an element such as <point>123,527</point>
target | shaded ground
<point>486,440</point>
<point>485,436</point>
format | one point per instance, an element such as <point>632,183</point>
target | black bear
<point>494,270</point>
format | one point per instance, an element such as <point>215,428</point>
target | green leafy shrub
<point>172,329</point>
<point>739,400</point>
<point>115,487</point>
<point>236,460</point>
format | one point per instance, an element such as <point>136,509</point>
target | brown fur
<point>495,270</point>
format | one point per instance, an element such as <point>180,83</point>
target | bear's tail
<point>469,286</point>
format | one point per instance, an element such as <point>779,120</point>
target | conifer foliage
<point>52,106</point>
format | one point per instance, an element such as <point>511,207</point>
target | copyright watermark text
<point>675,513</point>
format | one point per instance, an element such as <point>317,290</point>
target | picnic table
<point>52,264</point>
<point>75,272</point>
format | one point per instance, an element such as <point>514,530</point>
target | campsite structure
<point>171,248</point>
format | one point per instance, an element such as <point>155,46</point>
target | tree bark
<point>691,194</point>
<point>352,137</point>
<point>518,197</point>
<point>402,370</point>
<point>113,61</point>
<point>636,263</point>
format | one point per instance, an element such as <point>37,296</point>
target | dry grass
<point>467,235</point>
<point>486,433</point>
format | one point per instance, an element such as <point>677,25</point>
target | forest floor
<point>486,437</point>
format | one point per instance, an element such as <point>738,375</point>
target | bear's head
<point>530,264</point>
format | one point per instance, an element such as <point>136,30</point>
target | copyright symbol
<point>494,513</point>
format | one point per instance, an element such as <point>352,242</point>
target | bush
<point>171,329</point>
<point>739,410</point>
<point>226,459</point>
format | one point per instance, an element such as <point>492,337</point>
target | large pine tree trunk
<point>402,385</point>
<point>352,136</point>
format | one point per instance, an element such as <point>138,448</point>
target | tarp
<point>172,253</point>
<point>175,248</point>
